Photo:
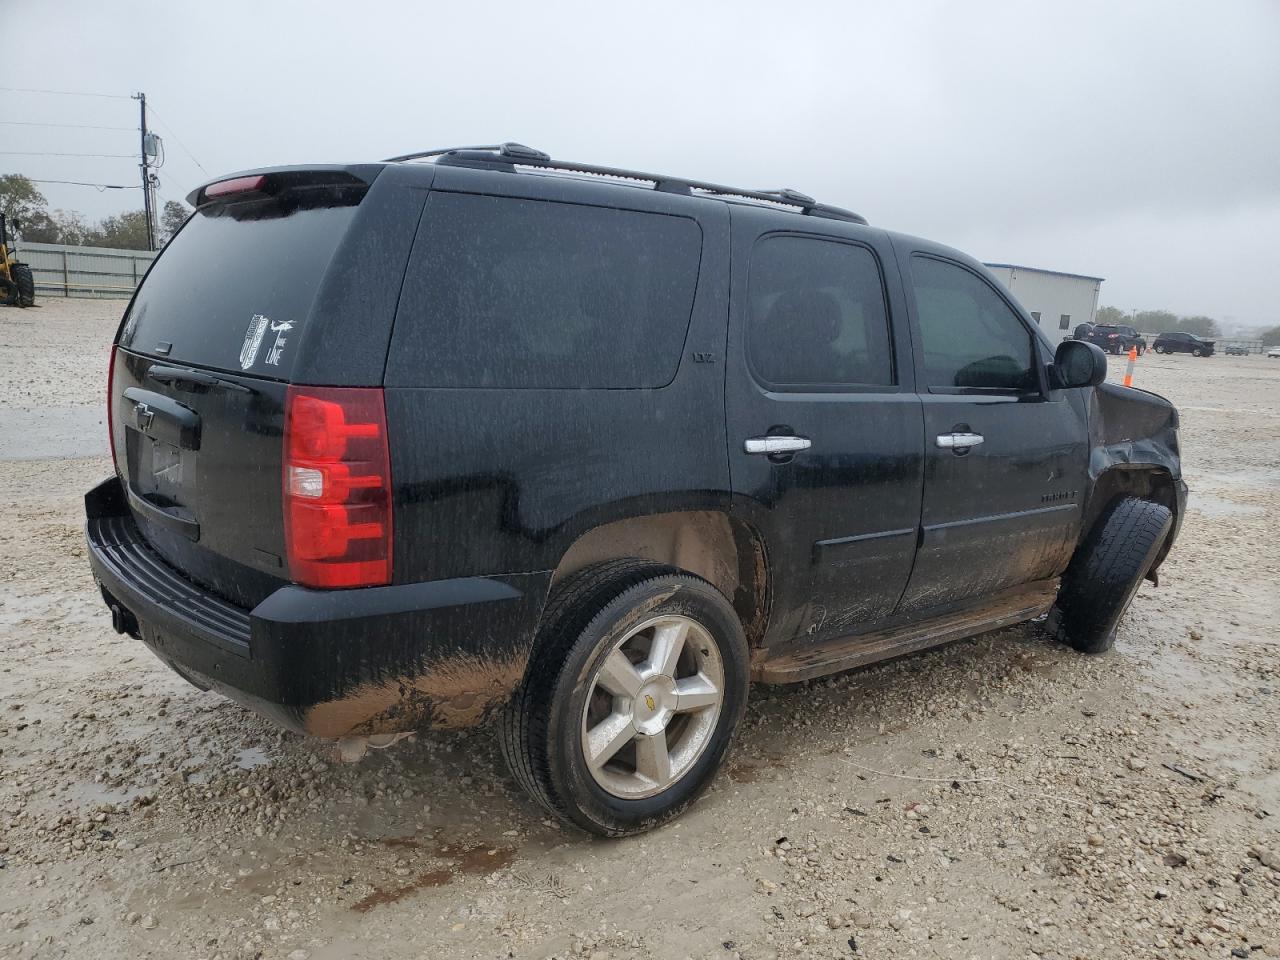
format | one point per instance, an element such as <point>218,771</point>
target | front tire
<point>1106,571</point>
<point>636,684</point>
<point>1197,352</point>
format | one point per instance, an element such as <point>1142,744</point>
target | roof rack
<point>512,155</point>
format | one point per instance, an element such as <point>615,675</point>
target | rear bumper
<point>328,663</point>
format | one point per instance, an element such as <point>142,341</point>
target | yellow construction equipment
<point>17,285</point>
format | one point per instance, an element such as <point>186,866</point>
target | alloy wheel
<point>652,707</point>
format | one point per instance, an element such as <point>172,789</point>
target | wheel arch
<point>710,544</point>
<point>1152,482</point>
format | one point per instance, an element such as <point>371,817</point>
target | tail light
<point>111,404</point>
<point>337,487</point>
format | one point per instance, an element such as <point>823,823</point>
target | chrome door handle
<point>959,441</point>
<point>772,445</point>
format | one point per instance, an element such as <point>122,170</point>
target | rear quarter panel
<point>500,481</point>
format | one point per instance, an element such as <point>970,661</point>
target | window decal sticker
<point>277,348</point>
<point>253,340</point>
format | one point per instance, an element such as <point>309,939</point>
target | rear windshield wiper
<point>195,381</point>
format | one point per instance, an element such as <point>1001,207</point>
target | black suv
<point>476,435</point>
<point>1179,342</point>
<point>1113,338</point>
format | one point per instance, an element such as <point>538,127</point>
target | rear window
<point>234,288</point>
<point>513,293</point>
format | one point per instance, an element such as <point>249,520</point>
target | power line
<point>65,93</point>
<point>37,153</point>
<point>76,126</point>
<point>100,186</point>
<point>176,140</point>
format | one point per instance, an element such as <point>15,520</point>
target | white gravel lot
<point>1003,797</point>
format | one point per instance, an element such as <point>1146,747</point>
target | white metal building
<point>1058,301</point>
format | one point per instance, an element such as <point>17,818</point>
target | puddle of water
<point>251,757</point>
<point>1218,507</point>
<point>89,794</point>
<point>1236,478</point>
<point>53,433</point>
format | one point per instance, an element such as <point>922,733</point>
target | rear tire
<point>1106,572</point>
<point>657,747</point>
<point>26,284</point>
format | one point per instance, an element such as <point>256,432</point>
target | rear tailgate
<point>199,455</point>
<point>205,356</point>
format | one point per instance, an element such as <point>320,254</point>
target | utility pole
<point>148,203</point>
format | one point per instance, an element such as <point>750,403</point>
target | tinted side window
<point>816,314</point>
<point>503,292</point>
<point>970,336</point>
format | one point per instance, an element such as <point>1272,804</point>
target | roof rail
<point>512,155</point>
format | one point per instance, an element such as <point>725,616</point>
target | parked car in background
<point>1273,352</point>
<point>1179,342</point>
<point>1113,338</point>
<point>1235,350</point>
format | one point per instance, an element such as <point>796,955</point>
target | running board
<point>799,661</point>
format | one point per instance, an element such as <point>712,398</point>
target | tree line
<point>1159,321</point>
<point>1165,321</point>
<point>24,205</point>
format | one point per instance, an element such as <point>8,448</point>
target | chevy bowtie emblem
<point>143,415</point>
<point>648,701</point>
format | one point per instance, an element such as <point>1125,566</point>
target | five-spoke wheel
<point>652,707</point>
<point>631,697</point>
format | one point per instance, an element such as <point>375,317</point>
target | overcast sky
<point>1139,142</point>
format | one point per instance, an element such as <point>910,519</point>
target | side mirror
<point>1078,363</point>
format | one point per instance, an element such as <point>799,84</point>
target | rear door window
<point>817,315</point>
<point>515,293</point>
<point>234,288</point>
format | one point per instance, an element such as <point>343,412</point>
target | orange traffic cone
<point>1128,370</point>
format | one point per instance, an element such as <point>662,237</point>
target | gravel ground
<point>1001,797</point>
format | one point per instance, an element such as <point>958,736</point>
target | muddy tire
<point>636,684</point>
<point>26,284</point>
<point>1106,572</point>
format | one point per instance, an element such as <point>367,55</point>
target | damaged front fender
<point>1134,451</point>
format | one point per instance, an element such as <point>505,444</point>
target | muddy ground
<point>1002,797</point>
